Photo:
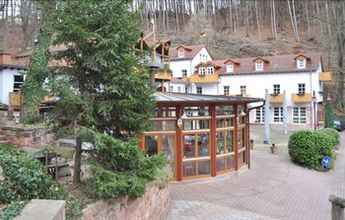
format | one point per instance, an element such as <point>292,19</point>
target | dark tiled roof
<point>169,98</point>
<point>190,52</point>
<point>275,64</point>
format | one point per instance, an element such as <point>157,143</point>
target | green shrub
<point>329,116</point>
<point>121,168</point>
<point>307,148</point>
<point>334,134</point>
<point>74,208</point>
<point>12,210</point>
<point>25,178</point>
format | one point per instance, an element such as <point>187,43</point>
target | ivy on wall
<point>37,73</point>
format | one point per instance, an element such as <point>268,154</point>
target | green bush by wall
<point>120,168</point>
<point>307,148</point>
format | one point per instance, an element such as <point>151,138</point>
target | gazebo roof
<point>170,99</point>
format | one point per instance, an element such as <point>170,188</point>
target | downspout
<point>312,119</point>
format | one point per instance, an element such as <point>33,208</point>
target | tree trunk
<point>257,18</point>
<point>77,162</point>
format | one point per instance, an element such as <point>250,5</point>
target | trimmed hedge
<point>334,134</point>
<point>307,148</point>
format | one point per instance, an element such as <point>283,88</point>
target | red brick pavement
<point>274,188</point>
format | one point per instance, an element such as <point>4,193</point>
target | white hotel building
<point>299,76</point>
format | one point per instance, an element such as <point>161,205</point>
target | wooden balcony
<point>15,100</point>
<point>163,75</point>
<point>276,98</point>
<point>196,78</point>
<point>325,76</point>
<point>301,98</point>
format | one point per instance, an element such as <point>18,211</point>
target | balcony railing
<point>196,78</point>
<point>276,98</point>
<point>15,100</point>
<point>302,98</point>
<point>325,76</point>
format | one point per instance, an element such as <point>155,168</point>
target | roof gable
<point>276,64</point>
<point>261,59</point>
<point>189,52</point>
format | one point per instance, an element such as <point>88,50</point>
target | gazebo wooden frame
<point>221,127</point>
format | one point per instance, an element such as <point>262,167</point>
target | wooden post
<point>236,136</point>
<point>178,147</point>
<point>142,142</point>
<point>213,137</point>
<point>56,168</point>
<point>247,136</point>
<point>338,205</point>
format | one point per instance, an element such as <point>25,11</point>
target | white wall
<point>177,87</point>
<point>177,66</point>
<point>257,83</point>
<point>198,58</point>
<point>207,89</point>
<point>6,84</point>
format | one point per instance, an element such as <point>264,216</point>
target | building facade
<point>294,84</point>
<point>183,60</point>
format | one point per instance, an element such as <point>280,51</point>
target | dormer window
<point>202,71</point>
<point>180,52</point>
<point>210,70</point>
<point>259,65</point>
<point>229,68</point>
<point>300,63</point>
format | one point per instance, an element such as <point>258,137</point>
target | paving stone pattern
<point>274,188</point>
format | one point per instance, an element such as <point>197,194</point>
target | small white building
<point>11,77</point>
<point>294,79</point>
<point>183,60</point>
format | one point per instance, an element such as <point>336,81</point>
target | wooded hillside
<point>229,28</point>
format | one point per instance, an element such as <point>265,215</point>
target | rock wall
<point>27,137</point>
<point>153,205</point>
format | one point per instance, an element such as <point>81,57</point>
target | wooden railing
<point>15,100</point>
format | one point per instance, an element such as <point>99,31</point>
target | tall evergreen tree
<point>104,73</point>
<point>102,84</point>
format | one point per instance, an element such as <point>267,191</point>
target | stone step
<point>4,142</point>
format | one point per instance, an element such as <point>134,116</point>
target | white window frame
<point>259,65</point>
<point>230,68</point>
<point>199,90</point>
<point>301,88</point>
<point>276,89</point>
<point>299,115</point>
<point>180,53</point>
<point>301,63</point>
<point>171,88</point>
<point>278,114</point>
<point>202,71</point>
<point>179,89</point>
<point>210,70</point>
<point>226,90</point>
<point>243,90</point>
<point>260,115</point>
<point>184,73</point>
<point>17,85</point>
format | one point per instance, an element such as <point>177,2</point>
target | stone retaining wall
<point>27,137</point>
<point>43,209</point>
<point>153,205</point>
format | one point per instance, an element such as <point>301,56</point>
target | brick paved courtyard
<point>273,188</point>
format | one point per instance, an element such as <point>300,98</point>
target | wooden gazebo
<point>201,135</point>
